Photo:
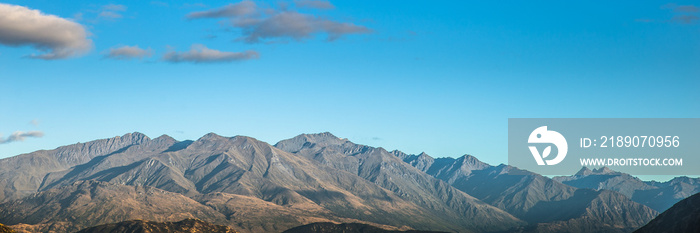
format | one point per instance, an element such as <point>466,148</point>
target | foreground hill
<point>236,181</point>
<point>4,229</point>
<point>548,205</point>
<point>657,195</point>
<point>683,217</point>
<point>140,226</point>
<point>89,203</point>
<point>327,227</point>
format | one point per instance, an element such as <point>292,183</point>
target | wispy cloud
<point>265,24</point>
<point>243,8</point>
<point>56,37</point>
<point>686,8</point>
<point>323,5</point>
<point>20,136</point>
<point>201,54</point>
<point>159,3</point>
<point>193,5</point>
<point>128,52</point>
<point>34,122</point>
<point>685,19</point>
<point>680,8</point>
<point>111,11</point>
<point>294,25</point>
<point>684,14</point>
<point>114,7</point>
<point>109,15</point>
<point>96,14</point>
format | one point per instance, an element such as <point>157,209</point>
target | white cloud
<point>201,54</point>
<point>128,52</point>
<point>258,24</point>
<point>57,37</point>
<point>295,25</point>
<point>20,136</point>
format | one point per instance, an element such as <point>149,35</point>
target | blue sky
<point>441,77</point>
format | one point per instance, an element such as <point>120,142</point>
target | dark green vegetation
<point>140,226</point>
<point>253,186</point>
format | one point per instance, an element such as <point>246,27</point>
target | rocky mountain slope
<point>4,229</point>
<point>327,227</point>
<point>548,205</point>
<point>253,186</point>
<point>657,195</point>
<point>140,226</point>
<point>382,168</point>
<point>237,181</point>
<point>88,203</point>
<point>683,217</point>
<point>22,175</point>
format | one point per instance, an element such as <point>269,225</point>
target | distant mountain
<point>657,195</point>
<point>461,211</point>
<point>683,217</point>
<point>604,178</point>
<point>140,226</point>
<point>22,175</point>
<point>327,227</point>
<point>236,181</point>
<point>548,205</point>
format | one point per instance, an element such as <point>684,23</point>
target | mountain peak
<point>322,134</point>
<point>681,179</point>
<point>136,136</point>
<point>398,153</point>
<point>325,137</point>
<point>584,172</point>
<point>472,163</point>
<point>603,171</point>
<point>211,136</point>
<point>164,137</point>
<point>297,143</point>
<point>82,152</point>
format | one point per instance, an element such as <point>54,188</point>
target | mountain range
<point>547,205</point>
<point>657,195</point>
<point>253,186</point>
